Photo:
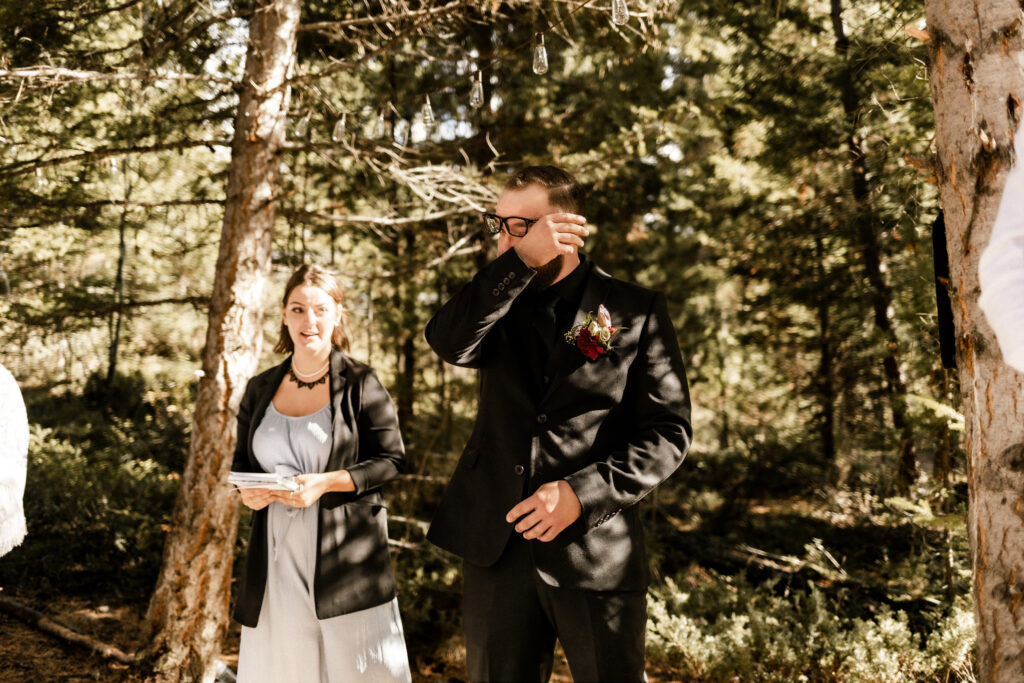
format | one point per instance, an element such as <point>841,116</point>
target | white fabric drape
<point>13,462</point>
<point>1001,268</point>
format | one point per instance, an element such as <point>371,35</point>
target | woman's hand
<point>311,487</point>
<point>257,499</point>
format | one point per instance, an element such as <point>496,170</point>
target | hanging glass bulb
<point>476,95</point>
<point>540,56</point>
<point>380,127</point>
<point>39,179</point>
<point>302,125</point>
<point>620,12</point>
<point>339,128</point>
<point>401,132</point>
<point>111,164</point>
<point>428,112</point>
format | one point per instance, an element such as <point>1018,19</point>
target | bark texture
<point>188,613</point>
<point>977,84</point>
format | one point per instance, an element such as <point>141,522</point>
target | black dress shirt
<point>539,321</point>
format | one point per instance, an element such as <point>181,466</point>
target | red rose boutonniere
<point>593,336</point>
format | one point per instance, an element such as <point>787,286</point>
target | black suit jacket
<point>353,567</point>
<point>614,428</point>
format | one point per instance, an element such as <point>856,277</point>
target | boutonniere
<point>593,336</point>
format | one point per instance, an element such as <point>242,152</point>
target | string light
<point>428,112</point>
<point>338,132</point>
<point>476,95</point>
<point>401,132</point>
<point>380,128</point>
<point>540,55</point>
<point>302,125</point>
<point>620,12</point>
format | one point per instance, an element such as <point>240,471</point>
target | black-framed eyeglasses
<point>516,226</point>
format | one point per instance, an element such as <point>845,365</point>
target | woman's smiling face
<point>311,316</point>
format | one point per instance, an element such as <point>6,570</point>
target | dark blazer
<point>614,427</point>
<point>353,567</point>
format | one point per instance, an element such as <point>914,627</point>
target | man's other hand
<point>546,513</point>
<point>556,234</point>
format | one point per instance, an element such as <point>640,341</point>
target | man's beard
<point>546,274</point>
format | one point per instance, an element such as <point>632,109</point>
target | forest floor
<point>29,654</point>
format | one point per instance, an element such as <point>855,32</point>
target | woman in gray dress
<point>317,599</point>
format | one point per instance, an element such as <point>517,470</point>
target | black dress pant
<point>511,619</point>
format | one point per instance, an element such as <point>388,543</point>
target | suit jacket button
<point>519,469</point>
<point>542,418</point>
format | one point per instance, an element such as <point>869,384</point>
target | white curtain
<point>1001,268</point>
<point>13,462</point>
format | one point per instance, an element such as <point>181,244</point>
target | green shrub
<point>728,630</point>
<point>99,491</point>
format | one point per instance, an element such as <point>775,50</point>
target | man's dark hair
<point>564,191</point>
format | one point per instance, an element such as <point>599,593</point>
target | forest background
<point>764,164</point>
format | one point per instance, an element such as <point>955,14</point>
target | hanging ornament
<point>39,179</point>
<point>302,125</point>
<point>476,95</point>
<point>620,12</point>
<point>380,127</point>
<point>540,55</point>
<point>401,133</point>
<point>428,112</point>
<point>339,128</point>
<point>111,164</point>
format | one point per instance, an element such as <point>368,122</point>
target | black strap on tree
<point>947,332</point>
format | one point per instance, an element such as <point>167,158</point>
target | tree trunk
<point>881,295</point>
<point>943,466</point>
<point>407,287</point>
<point>977,86</point>
<point>826,382</point>
<point>188,613</point>
<point>117,315</point>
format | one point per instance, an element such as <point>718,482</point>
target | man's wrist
<point>525,259</point>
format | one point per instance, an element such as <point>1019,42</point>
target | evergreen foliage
<point>716,148</point>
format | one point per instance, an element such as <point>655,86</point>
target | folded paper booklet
<point>262,480</point>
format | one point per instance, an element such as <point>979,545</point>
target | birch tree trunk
<point>188,613</point>
<point>976,85</point>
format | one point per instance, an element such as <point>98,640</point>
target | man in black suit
<point>583,410</point>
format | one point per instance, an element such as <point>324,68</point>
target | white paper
<point>262,480</point>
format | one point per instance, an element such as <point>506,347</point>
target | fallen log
<point>44,623</point>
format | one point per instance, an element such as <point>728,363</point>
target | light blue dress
<point>289,643</point>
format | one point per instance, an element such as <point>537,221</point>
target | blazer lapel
<point>339,420</point>
<point>266,395</point>
<point>565,357</point>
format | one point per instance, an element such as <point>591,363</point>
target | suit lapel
<point>339,420</point>
<point>565,358</point>
<point>266,395</point>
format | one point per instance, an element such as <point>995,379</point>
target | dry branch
<point>338,219</point>
<point>24,167</point>
<point>48,76</point>
<point>47,625</point>
<point>331,28</point>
